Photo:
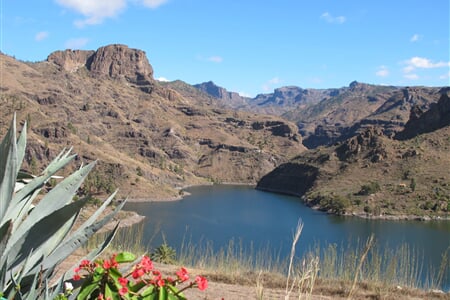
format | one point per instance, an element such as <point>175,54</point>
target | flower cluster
<point>103,280</point>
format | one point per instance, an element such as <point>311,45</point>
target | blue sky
<point>247,46</point>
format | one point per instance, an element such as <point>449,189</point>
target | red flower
<point>160,282</point>
<point>137,273</point>
<point>106,265</point>
<point>202,283</point>
<point>123,281</point>
<point>76,277</point>
<point>85,263</point>
<point>123,291</point>
<point>146,264</point>
<point>182,274</point>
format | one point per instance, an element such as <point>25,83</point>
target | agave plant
<point>37,235</point>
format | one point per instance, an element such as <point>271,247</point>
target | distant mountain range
<point>326,116</point>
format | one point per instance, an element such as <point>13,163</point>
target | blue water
<point>220,213</point>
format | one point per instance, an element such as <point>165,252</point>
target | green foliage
<point>103,279</point>
<point>72,128</point>
<point>97,182</point>
<point>370,188</point>
<point>139,171</point>
<point>413,184</point>
<point>164,254</point>
<point>34,240</point>
<point>334,203</point>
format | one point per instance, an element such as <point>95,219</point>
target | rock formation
<point>115,61</point>
<point>438,116</point>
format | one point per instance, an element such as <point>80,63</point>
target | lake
<point>220,213</point>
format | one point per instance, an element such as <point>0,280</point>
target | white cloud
<point>422,63</point>
<point>163,79</point>
<point>268,86</point>
<point>415,38</point>
<point>94,11</point>
<point>411,76</point>
<point>330,19</point>
<point>383,71</point>
<point>216,59</point>
<point>154,3</point>
<point>40,36</point>
<point>76,43</point>
<point>445,76</point>
<point>245,94</point>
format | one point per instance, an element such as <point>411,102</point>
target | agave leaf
<point>21,145</point>
<point>5,233</point>
<point>41,231</point>
<point>93,254</point>
<point>98,212</point>
<point>8,167</point>
<point>46,248</point>
<point>19,212</point>
<point>38,182</point>
<point>32,188</point>
<point>53,201</point>
<point>78,238</point>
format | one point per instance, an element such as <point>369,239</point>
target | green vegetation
<point>36,235</point>
<point>164,254</point>
<point>370,188</point>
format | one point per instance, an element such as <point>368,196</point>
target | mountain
<point>149,139</point>
<point>327,116</point>
<point>229,99</point>
<point>373,175</point>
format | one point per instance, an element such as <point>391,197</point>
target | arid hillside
<point>149,139</point>
<point>373,175</point>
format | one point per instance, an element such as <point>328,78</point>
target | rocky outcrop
<point>289,178</point>
<point>277,128</point>
<point>438,116</point>
<point>120,61</point>
<point>368,144</point>
<point>71,60</point>
<point>232,99</point>
<point>115,61</point>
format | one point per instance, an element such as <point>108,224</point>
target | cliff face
<point>226,98</point>
<point>438,116</point>
<point>290,178</point>
<point>71,60</point>
<point>114,61</point>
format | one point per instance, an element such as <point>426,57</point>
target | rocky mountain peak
<point>70,60</point>
<point>115,61</point>
<point>212,89</point>
<point>120,61</point>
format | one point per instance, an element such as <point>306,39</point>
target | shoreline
<point>399,217</point>
<point>184,193</point>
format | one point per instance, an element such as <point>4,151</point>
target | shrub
<point>370,188</point>
<point>334,203</point>
<point>164,254</point>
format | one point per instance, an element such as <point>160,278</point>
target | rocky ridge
<point>327,116</point>
<point>373,175</point>
<point>148,139</point>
